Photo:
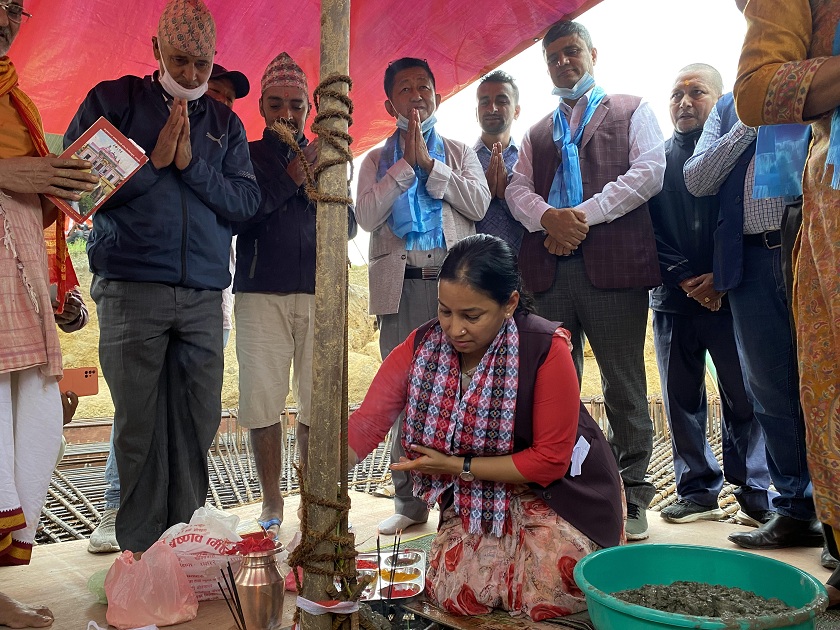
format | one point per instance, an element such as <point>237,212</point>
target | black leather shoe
<point>779,532</point>
<point>827,560</point>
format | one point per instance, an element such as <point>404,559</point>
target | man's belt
<point>421,273</point>
<point>771,239</point>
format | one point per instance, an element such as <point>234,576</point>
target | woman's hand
<point>430,462</point>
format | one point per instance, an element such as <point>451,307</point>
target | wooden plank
<point>497,620</point>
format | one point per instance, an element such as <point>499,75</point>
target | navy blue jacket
<point>729,246</point>
<point>169,226</point>
<point>684,226</point>
<point>275,249</point>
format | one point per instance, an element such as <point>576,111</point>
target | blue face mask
<point>586,83</point>
<point>402,123</point>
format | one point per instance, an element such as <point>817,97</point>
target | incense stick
<point>236,596</point>
<point>394,563</point>
<point>237,616</point>
<point>227,601</point>
<point>396,560</point>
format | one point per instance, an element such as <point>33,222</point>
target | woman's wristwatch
<point>465,474</point>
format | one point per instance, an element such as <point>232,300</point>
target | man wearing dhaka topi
<point>159,252</point>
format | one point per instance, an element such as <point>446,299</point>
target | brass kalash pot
<point>261,588</point>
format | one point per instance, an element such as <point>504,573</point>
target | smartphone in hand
<point>83,381</point>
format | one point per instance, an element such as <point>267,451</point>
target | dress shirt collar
<point>582,102</point>
<point>480,147</point>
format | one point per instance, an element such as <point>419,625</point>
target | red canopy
<point>68,47</point>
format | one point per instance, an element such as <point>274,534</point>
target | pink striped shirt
<point>29,336</point>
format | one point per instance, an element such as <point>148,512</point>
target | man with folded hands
<point>159,252</point>
<point>418,195</point>
<point>275,283</point>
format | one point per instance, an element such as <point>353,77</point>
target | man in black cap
<point>226,86</point>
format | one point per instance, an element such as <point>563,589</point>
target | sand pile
<point>81,350</point>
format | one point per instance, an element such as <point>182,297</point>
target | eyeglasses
<point>14,12</point>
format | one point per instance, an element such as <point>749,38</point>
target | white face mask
<point>402,123</point>
<point>587,82</point>
<point>173,88</point>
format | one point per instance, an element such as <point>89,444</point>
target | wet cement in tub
<point>704,600</point>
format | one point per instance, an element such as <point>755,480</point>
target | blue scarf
<point>567,187</point>
<point>780,155</point>
<point>415,216</point>
<point>833,156</point>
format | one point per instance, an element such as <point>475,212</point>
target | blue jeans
<point>681,343</point>
<point>760,310</point>
<point>112,478</point>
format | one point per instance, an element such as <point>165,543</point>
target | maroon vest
<point>617,255</point>
<point>592,501</point>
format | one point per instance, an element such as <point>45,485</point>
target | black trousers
<point>160,348</point>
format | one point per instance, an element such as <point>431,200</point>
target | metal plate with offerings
<point>398,575</point>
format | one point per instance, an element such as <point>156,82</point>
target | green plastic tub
<point>619,568</point>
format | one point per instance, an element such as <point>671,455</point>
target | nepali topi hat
<point>188,26</point>
<point>283,72</point>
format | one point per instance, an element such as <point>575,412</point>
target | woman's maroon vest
<point>591,501</point>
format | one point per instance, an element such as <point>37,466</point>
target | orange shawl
<point>61,269</point>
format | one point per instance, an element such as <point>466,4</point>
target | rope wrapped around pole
<point>328,547</point>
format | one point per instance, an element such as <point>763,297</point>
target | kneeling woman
<point>495,432</point>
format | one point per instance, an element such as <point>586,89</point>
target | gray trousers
<point>418,304</point>
<point>160,348</point>
<point>615,323</point>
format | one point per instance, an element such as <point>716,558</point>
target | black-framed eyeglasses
<point>14,11</point>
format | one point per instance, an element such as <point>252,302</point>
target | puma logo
<point>217,140</point>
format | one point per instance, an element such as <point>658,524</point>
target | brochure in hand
<point>115,159</point>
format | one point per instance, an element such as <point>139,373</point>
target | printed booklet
<point>115,159</point>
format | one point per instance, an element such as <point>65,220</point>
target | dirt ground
<point>81,350</point>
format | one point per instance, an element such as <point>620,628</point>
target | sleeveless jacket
<point>620,254</point>
<point>591,501</point>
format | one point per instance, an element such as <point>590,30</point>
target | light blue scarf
<point>780,155</point>
<point>567,187</point>
<point>833,156</point>
<point>415,216</point>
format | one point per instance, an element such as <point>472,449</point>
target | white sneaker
<point>104,537</point>
<point>393,524</point>
<point>636,525</point>
<point>756,519</point>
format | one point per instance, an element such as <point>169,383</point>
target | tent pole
<point>329,383</point>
